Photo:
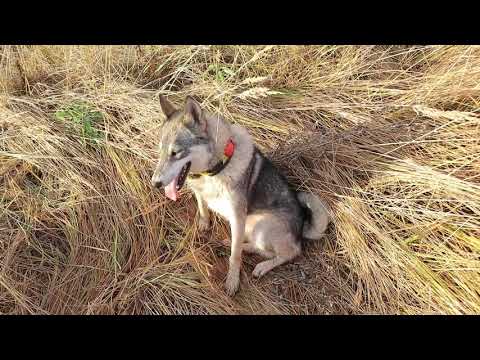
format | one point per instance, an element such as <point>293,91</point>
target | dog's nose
<point>157,183</point>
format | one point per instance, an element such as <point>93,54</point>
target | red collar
<point>229,148</point>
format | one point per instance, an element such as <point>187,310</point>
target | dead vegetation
<point>389,135</point>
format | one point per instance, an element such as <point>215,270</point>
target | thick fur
<point>266,216</point>
<point>315,225</point>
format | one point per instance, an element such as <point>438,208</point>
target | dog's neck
<point>219,132</point>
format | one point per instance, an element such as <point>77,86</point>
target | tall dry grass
<point>388,135</point>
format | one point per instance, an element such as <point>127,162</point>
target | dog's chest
<point>217,196</point>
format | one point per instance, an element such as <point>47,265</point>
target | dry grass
<point>390,136</point>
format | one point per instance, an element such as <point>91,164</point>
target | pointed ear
<point>194,113</point>
<point>167,107</point>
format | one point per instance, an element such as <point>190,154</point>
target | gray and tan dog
<point>229,175</point>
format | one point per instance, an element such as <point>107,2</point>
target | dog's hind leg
<point>271,237</point>
<point>265,266</point>
<point>250,248</point>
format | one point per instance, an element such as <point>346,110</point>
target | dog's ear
<point>167,107</point>
<point>194,113</point>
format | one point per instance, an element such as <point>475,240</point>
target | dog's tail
<point>316,223</point>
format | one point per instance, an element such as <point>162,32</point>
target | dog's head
<point>184,146</point>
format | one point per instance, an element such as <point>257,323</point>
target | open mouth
<point>183,175</point>
<point>172,189</point>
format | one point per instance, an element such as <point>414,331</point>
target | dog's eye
<point>175,153</point>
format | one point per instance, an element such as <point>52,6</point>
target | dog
<point>228,174</point>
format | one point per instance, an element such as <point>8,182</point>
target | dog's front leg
<point>237,227</point>
<point>204,219</point>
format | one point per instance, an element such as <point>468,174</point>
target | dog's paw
<point>233,282</point>
<point>261,269</point>
<point>203,224</point>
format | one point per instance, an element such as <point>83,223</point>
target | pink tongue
<point>171,190</point>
